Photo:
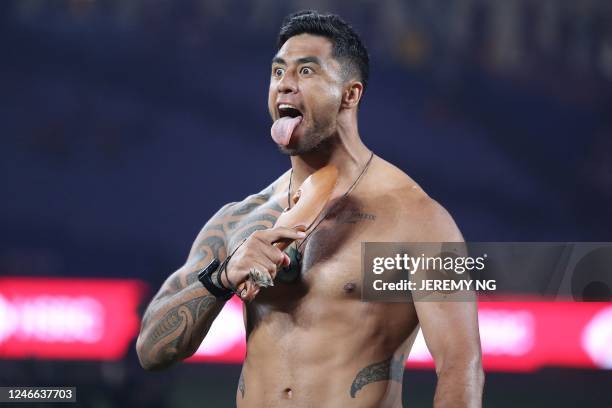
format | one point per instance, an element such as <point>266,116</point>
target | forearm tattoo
<point>390,369</point>
<point>167,327</point>
<point>169,335</point>
<point>168,323</point>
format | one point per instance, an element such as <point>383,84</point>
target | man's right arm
<point>181,313</point>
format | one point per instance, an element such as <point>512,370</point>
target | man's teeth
<point>286,106</point>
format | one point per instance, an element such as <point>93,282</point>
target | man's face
<point>305,75</point>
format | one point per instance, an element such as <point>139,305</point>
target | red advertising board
<point>52,318</point>
<point>97,319</point>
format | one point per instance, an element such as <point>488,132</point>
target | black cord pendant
<point>291,273</point>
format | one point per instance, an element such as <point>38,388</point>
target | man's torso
<point>312,342</point>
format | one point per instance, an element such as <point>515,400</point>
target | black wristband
<point>204,276</point>
<point>220,272</point>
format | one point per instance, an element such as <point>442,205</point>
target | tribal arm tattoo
<point>180,314</point>
<point>390,369</point>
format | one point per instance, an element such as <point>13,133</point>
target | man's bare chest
<point>328,260</point>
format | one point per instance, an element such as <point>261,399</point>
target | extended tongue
<point>282,129</point>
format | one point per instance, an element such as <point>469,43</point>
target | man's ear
<point>352,94</point>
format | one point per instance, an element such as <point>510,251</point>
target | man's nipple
<point>349,287</point>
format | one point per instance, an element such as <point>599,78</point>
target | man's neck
<point>349,155</point>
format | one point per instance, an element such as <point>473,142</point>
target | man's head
<point>321,69</point>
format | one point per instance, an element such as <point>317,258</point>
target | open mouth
<point>289,118</point>
<point>286,110</point>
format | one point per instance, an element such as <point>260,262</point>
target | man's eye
<point>278,72</point>
<point>306,70</point>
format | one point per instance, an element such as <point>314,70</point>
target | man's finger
<point>286,260</point>
<point>249,292</point>
<point>271,252</point>
<point>279,233</point>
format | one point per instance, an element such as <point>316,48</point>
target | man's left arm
<point>450,329</point>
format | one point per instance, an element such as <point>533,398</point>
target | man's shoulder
<point>268,195</point>
<point>394,188</point>
<point>421,216</point>
<point>431,222</point>
<point>234,214</point>
<point>271,195</point>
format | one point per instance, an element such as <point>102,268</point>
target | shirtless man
<point>312,342</point>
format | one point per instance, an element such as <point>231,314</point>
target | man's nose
<point>287,84</point>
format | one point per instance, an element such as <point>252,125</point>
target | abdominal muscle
<point>327,354</point>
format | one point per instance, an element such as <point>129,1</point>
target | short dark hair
<point>346,44</point>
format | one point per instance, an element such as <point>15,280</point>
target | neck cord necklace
<point>290,273</point>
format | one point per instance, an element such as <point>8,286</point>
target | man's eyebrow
<point>278,60</point>
<point>303,60</point>
<point>306,60</point>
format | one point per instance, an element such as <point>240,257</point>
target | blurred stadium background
<point>124,125</point>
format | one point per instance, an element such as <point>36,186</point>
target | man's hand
<point>258,256</point>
